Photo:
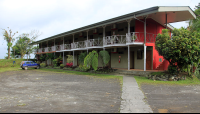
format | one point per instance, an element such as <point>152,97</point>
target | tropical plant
<point>61,66</point>
<point>194,25</point>
<point>181,50</point>
<point>105,57</point>
<point>42,64</point>
<point>81,58</point>
<point>23,42</point>
<point>91,60</point>
<point>9,37</point>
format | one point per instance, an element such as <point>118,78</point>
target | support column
<point>63,57</point>
<point>128,57</point>
<point>166,20</point>
<point>87,41</point>
<point>73,51</point>
<point>144,44</point>
<point>63,51</point>
<point>104,35</point>
<point>129,34</point>
<point>54,48</point>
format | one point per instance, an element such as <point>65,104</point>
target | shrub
<point>172,69</point>
<point>42,64</point>
<point>83,68</point>
<point>61,66</point>
<point>69,64</point>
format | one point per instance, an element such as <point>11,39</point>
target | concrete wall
<point>134,62</point>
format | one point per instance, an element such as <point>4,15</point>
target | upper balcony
<point>134,38</point>
<point>95,43</point>
<point>115,40</point>
<point>137,38</point>
<point>81,45</point>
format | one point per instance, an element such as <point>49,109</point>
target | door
<point>148,59</point>
<point>132,60</point>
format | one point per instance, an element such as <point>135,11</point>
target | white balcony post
<point>63,43</point>
<point>54,48</point>
<point>166,20</point>
<point>129,33</point>
<point>87,41</point>
<point>144,44</point>
<point>73,51</point>
<point>104,34</point>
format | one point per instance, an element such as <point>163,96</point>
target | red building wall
<point>154,28</point>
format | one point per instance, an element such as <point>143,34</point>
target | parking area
<point>29,91</point>
<point>173,98</point>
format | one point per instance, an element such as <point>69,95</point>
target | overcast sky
<point>52,17</point>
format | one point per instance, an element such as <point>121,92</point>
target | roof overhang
<point>158,13</point>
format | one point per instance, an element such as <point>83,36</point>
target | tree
<point>105,57</point>
<point>49,56</point>
<point>194,25</point>
<point>91,60</point>
<point>24,40</point>
<point>9,37</point>
<point>181,50</point>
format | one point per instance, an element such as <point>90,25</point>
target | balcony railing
<point>95,42</point>
<point>67,46</point>
<point>139,37</point>
<point>80,44</point>
<point>115,39</point>
<point>58,48</point>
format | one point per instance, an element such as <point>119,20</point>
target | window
<point>139,54</point>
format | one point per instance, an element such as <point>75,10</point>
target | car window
<point>31,62</point>
<point>27,62</point>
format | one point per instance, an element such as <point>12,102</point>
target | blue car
<point>29,64</point>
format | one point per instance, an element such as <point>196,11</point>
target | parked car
<point>29,64</point>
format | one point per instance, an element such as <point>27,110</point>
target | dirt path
<point>35,91</point>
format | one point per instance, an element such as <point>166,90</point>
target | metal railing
<point>139,37</point>
<point>67,46</point>
<point>58,48</point>
<point>95,42</point>
<point>80,44</point>
<point>115,39</point>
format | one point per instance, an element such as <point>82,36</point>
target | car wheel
<point>26,68</point>
<point>38,67</point>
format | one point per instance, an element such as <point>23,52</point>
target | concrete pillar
<point>63,57</point>
<point>54,48</point>
<point>87,41</point>
<point>129,33</point>
<point>166,20</point>
<point>144,44</point>
<point>128,57</point>
<point>104,34</point>
<point>73,51</point>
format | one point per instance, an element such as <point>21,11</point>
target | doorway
<point>148,59</point>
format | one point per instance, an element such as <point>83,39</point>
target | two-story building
<point>129,39</point>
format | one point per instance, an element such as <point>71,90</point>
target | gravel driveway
<point>37,91</point>
<point>173,99</point>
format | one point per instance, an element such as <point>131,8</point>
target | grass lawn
<point>144,80</point>
<point>103,76</point>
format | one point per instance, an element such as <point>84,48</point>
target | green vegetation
<point>194,25</point>
<point>43,65</point>
<point>105,57</point>
<point>81,58</point>
<point>157,73</point>
<point>91,60</point>
<point>182,50</point>
<point>144,80</point>
<point>7,64</point>
<point>104,76</point>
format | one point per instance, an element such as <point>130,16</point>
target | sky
<point>52,17</point>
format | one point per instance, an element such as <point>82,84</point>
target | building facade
<point>129,39</point>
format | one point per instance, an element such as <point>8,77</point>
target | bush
<point>61,66</point>
<point>69,64</point>
<point>42,64</point>
<point>84,68</point>
<point>172,69</point>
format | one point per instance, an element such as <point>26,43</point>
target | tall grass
<point>7,64</point>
